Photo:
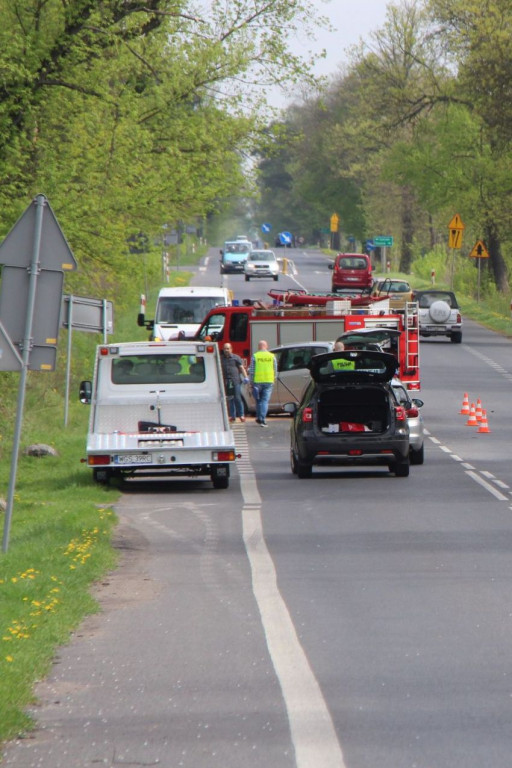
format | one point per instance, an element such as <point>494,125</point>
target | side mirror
<point>417,402</point>
<point>290,408</point>
<point>140,320</point>
<point>85,392</point>
<point>221,252</point>
<point>330,265</point>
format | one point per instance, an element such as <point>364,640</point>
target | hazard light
<point>400,413</point>
<point>307,415</point>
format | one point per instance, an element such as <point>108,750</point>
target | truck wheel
<point>456,337</point>
<point>247,278</point>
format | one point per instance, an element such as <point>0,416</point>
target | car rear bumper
<point>372,450</point>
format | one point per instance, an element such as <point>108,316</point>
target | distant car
<point>352,271</point>
<point>233,255</point>
<point>349,415</point>
<point>414,419</point>
<point>292,374</point>
<point>261,264</point>
<point>399,292</point>
<point>439,314</point>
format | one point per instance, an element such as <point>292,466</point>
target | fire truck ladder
<point>411,329</point>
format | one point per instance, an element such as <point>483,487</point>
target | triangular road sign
<point>456,222</point>
<point>479,251</point>
<point>54,254</point>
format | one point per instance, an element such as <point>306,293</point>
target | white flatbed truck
<point>158,408</point>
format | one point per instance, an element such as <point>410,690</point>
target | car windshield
<point>237,247</point>
<point>262,256</point>
<point>427,299</point>
<point>158,369</point>
<point>184,309</point>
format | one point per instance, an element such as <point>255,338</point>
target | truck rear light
<point>223,456</point>
<point>400,413</point>
<point>307,415</point>
<point>415,385</point>
<point>100,460</point>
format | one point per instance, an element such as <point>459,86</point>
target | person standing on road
<point>262,373</point>
<point>233,371</point>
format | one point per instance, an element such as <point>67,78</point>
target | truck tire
<point>247,278</point>
<point>456,337</point>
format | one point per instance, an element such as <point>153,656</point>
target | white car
<point>439,314</point>
<point>261,264</point>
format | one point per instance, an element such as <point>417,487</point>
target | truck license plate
<point>133,458</point>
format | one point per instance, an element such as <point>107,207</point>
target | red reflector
<point>323,453</point>
<point>103,350</point>
<point>94,461</point>
<point>210,348</point>
<point>355,453</point>
<point>307,414</point>
<point>387,450</point>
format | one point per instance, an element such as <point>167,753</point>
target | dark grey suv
<point>349,414</point>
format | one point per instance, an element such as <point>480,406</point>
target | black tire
<point>304,470</point>
<point>417,457</point>
<point>247,278</point>
<point>293,462</point>
<point>401,468</point>
<point>456,337</point>
<point>276,277</point>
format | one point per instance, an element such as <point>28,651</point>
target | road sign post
<point>455,229</point>
<point>383,242</point>
<point>34,245</point>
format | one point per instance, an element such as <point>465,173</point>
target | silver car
<point>292,374</point>
<point>414,419</point>
<point>262,264</point>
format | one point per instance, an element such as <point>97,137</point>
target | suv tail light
<point>307,414</point>
<point>400,413</point>
<point>459,318</point>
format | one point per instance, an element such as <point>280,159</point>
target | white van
<point>158,408</point>
<point>180,311</point>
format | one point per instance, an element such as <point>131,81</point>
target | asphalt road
<point>350,620</point>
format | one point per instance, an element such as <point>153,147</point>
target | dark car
<point>349,414</point>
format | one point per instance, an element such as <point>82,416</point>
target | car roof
<point>369,365</point>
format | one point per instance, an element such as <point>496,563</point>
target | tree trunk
<point>496,261</point>
<point>407,231</point>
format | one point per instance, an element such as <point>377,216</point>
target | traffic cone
<point>484,426</point>
<point>465,405</point>
<point>472,422</point>
<point>478,410</point>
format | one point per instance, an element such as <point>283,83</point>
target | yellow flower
<point>9,658</point>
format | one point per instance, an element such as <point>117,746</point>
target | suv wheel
<point>400,468</point>
<point>456,337</point>
<point>293,462</point>
<point>304,469</point>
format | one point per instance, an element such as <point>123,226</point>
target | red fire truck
<point>245,326</point>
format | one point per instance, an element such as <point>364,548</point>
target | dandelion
<point>9,658</point>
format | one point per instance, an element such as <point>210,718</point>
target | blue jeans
<point>235,402</point>
<point>261,393</point>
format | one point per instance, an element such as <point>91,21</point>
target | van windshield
<point>353,262</point>
<point>158,369</point>
<point>185,309</point>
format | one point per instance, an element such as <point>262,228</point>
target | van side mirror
<point>331,265</point>
<point>85,392</point>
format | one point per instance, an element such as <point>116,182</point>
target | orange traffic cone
<point>472,422</point>
<point>478,410</point>
<point>465,405</point>
<point>484,426</point>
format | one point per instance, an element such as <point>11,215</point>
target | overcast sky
<point>352,20</point>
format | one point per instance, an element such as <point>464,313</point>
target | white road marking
<point>312,730</point>
<point>480,480</point>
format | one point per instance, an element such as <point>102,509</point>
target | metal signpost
<point>383,242</point>
<point>456,229</point>
<point>479,252</point>
<point>34,255</point>
<point>82,313</point>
